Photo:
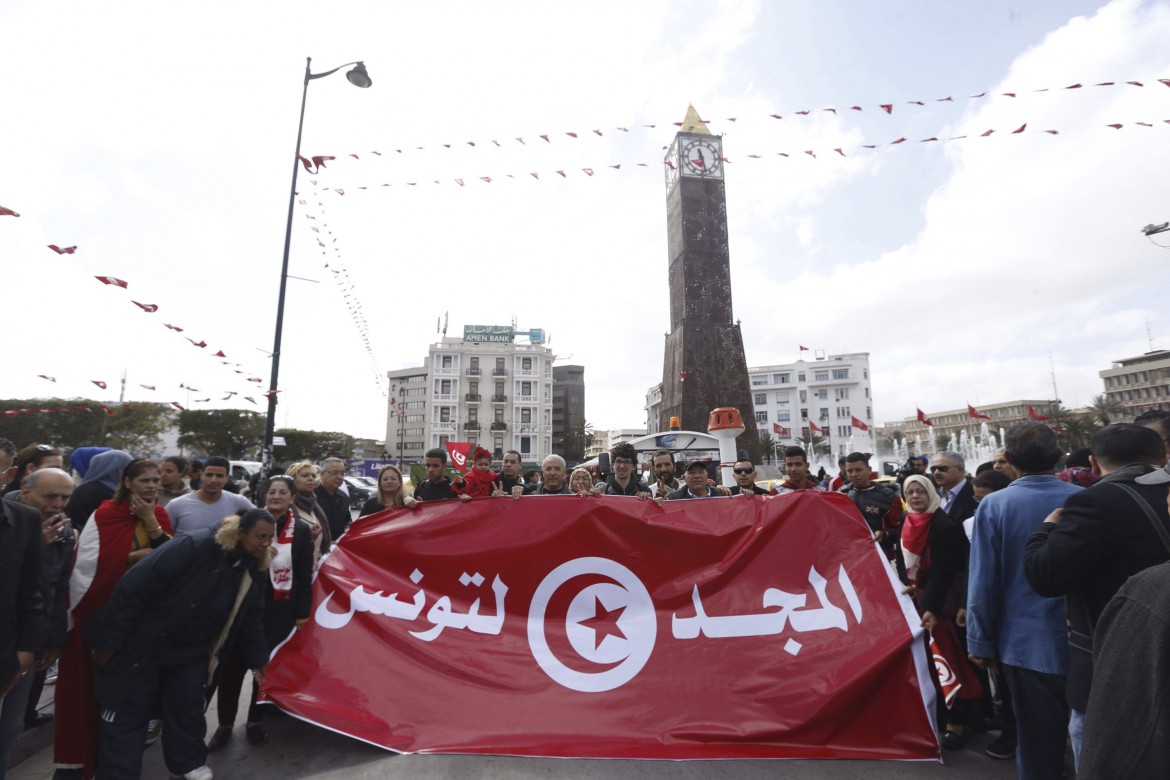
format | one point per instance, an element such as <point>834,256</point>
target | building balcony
<point>443,427</point>
<point>499,426</point>
<point>528,372</point>
<point>526,399</point>
<point>527,429</point>
<point>474,371</point>
<point>473,398</point>
<point>446,372</point>
<point>499,372</point>
<point>446,397</point>
<point>499,399</point>
<point>471,426</point>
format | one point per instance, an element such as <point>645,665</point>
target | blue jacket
<point>1006,619</point>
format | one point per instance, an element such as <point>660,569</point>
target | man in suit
<point>956,493</point>
<point>1102,536</point>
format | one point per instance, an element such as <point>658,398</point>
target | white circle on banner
<point>605,623</point>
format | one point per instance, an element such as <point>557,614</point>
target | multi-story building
<point>828,391</point>
<point>483,388</point>
<point>1140,383</point>
<point>568,413</point>
<point>949,425</point>
<point>604,441</point>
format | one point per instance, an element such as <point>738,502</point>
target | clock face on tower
<point>701,158</point>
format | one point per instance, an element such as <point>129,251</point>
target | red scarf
<point>916,551</point>
<point>280,567</point>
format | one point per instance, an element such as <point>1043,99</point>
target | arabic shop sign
<point>505,334</point>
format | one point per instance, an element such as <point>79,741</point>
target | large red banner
<point>743,627</point>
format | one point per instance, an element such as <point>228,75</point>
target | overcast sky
<point>159,142</point>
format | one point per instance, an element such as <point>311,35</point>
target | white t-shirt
<point>190,513</point>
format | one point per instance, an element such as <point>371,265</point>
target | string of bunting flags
<point>340,273</point>
<point>317,163</point>
<point>886,109</point>
<point>104,385</point>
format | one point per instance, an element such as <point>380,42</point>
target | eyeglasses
<point>623,462</point>
<point>940,468</point>
<point>744,471</point>
<point>333,473</point>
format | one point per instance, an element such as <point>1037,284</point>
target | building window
<point>412,432</point>
<point>415,391</point>
<point>800,376</point>
<point>473,414</point>
<point>414,405</point>
<point>865,373</point>
<point>499,443</point>
<point>803,396</point>
<point>499,414</point>
<point>415,418</point>
<point>762,416</point>
<point>412,445</point>
<point>759,380</point>
<point>823,394</point>
<point>783,416</point>
<point>525,445</point>
<point>445,387</point>
<point>821,376</point>
<point>761,398</point>
<point>842,393</point>
<point>526,363</point>
<point>840,373</point>
<point>780,379</point>
<point>824,412</point>
<point>804,414</point>
<point>444,414</point>
<point>867,392</point>
<point>525,415</point>
<point>443,440</point>
<point>525,388</point>
<point>782,397</point>
<point>447,360</point>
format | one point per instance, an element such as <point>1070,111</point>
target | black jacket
<point>336,508</point>
<point>949,554</point>
<point>161,596</point>
<point>633,488</point>
<point>964,504</point>
<point>1103,538</point>
<point>85,500</point>
<point>684,492</point>
<point>434,491</point>
<point>22,617</point>
<point>759,491</point>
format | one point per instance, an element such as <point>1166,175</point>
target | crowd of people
<point>144,586</point>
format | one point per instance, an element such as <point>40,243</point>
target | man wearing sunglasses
<point>745,479</point>
<point>956,493</point>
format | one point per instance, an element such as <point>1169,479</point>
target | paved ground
<point>299,750</point>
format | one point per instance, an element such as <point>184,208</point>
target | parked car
<point>359,492</point>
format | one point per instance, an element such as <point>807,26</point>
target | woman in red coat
<point>124,530</point>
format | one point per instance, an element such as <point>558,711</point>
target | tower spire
<point>693,124</point>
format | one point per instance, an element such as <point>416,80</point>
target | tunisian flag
<point>858,424</point>
<point>922,418</point>
<point>605,626</point>
<point>976,414</point>
<point>460,451</point>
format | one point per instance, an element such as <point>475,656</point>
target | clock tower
<point>704,366</point>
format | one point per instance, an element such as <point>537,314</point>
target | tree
<point>768,447</point>
<point>139,428</point>
<point>314,445</point>
<point>229,433</point>
<point>83,422</point>
<point>1074,430</point>
<point>814,445</point>
<point>1107,409</point>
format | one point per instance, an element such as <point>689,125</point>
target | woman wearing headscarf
<point>581,481</point>
<point>169,625</point>
<point>81,457</point>
<point>305,477</point>
<point>936,552</point>
<point>288,598</point>
<point>390,491</point>
<point>101,479</point>
<point>123,531</point>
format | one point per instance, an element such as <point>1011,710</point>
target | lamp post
<point>359,78</point>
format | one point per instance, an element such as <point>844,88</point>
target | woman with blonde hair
<point>390,491</point>
<point>305,476</point>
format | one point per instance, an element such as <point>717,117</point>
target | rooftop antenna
<point>1052,369</point>
<point>445,323</point>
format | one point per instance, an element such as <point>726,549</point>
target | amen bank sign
<point>498,333</point>
<point>748,627</point>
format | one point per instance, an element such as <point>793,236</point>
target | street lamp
<point>359,78</point>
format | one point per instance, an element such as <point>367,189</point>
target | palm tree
<point>1106,408</point>
<point>814,445</point>
<point>1075,430</point>
<point>767,447</point>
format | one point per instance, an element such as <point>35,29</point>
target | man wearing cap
<point>1099,539</point>
<point>694,483</point>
